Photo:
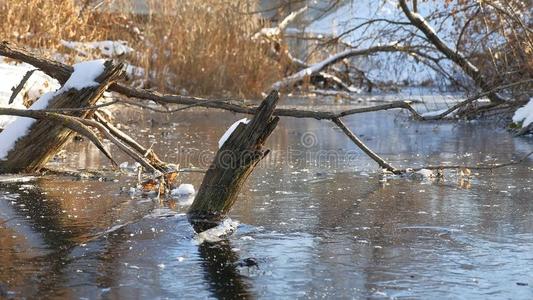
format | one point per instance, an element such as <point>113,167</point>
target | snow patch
<point>16,178</point>
<point>230,130</point>
<point>85,74</point>
<point>106,48</point>
<point>524,114</point>
<point>20,126</point>
<point>12,74</point>
<point>215,234</point>
<point>185,189</point>
<point>184,193</point>
<point>125,166</point>
<point>425,173</point>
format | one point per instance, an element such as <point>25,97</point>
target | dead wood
<point>152,157</point>
<point>62,72</point>
<point>233,163</point>
<point>381,162</point>
<point>45,138</point>
<point>16,90</point>
<point>72,123</point>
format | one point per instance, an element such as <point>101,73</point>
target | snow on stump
<point>237,157</point>
<point>26,145</point>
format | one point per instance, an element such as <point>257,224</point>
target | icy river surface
<point>316,219</point>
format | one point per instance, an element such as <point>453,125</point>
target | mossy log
<point>233,163</point>
<point>45,138</point>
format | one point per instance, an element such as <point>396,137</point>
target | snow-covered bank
<point>106,48</point>
<point>524,114</point>
<point>11,74</point>
<point>84,75</point>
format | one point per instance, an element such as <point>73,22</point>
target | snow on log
<point>15,93</point>
<point>233,163</point>
<point>295,78</point>
<point>524,114</point>
<point>274,32</point>
<point>27,144</point>
<point>84,76</point>
<point>230,130</point>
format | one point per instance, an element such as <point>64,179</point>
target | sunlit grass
<point>201,46</point>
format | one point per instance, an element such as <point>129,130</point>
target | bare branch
<point>291,80</point>
<point>16,90</point>
<point>73,123</point>
<point>381,162</point>
<point>454,56</point>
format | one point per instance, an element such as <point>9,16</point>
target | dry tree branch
<point>148,153</point>
<point>79,125</point>
<point>16,90</point>
<point>73,123</point>
<point>381,162</point>
<point>140,159</point>
<point>61,72</point>
<point>473,98</point>
<point>466,65</point>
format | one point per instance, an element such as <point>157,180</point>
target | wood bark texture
<point>233,163</point>
<point>46,138</point>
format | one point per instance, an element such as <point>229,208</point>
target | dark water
<point>316,219</point>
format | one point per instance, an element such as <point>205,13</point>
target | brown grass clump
<point>203,46</point>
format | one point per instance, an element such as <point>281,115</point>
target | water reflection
<point>317,228</point>
<point>220,264</point>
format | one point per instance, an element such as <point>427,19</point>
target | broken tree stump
<point>233,163</point>
<point>45,138</point>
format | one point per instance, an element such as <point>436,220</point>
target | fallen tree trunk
<point>233,163</point>
<point>45,138</point>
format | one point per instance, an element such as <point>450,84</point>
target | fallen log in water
<point>233,163</point>
<point>62,72</point>
<point>34,146</point>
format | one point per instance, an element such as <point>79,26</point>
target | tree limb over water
<point>62,72</point>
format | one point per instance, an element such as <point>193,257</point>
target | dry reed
<point>202,46</point>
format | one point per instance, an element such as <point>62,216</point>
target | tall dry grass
<point>202,46</point>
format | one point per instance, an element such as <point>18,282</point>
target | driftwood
<point>46,138</point>
<point>233,163</point>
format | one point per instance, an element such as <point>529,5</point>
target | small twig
<point>16,90</point>
<point>93,107</point>
<point>166,111</point>
<point>140,159</point>
<point>154,159</point>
